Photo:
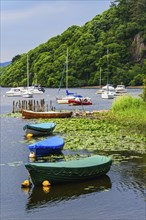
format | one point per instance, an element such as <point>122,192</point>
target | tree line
<point>120,30</point>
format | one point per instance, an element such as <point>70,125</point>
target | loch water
<point>119,195</point>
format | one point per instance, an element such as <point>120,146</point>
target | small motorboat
<point>13,92</point>
<point>68,171</point>
<point>80,101</point>
<point>52,145</point>
<point>27,94</point>
<point>69,96</point>
<point>39,129</point>
<point>107,94</point>
<point>108,87</point>
<point>121,89</point>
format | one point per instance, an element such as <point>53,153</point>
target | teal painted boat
<point>39,129</point>
<point>69,171</point>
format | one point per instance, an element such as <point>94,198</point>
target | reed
<point>131,111</point>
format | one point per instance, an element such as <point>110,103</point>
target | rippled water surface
<point>120,195</point>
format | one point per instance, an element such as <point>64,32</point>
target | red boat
<point>80,101</point>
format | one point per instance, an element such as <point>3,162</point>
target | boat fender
<point>26,183</point>
<point>46,183</point>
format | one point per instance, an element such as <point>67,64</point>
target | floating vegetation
<point>95,135</point>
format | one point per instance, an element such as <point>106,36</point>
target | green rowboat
<point>69,171</point>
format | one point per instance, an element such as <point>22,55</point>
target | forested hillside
<point>121,30</point>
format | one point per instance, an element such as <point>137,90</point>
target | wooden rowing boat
<point>69,171</point>
<point>27,114</point>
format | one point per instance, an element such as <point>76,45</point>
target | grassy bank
<point>130,112</point>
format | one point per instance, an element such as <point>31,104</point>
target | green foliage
<point>121,29</point>
<point>143,95</point>
<point>127,102</point>
<point>130,111</point>
<point>93,135</point>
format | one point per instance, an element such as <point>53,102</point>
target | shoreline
<point>98,87</point>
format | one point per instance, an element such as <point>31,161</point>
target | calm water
<point>120,195</point>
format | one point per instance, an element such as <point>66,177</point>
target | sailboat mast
<point>107,66</point>
<point>100,78</point>
<point>67,70</point>
<point>27,73</point>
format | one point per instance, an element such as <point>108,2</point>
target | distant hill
<point>113,42</point>
<point>5,63</point>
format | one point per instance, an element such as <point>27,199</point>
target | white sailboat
<point>100,90</point>
<point>108,90</point>
<point>27,93</point>
<point>64,100</point>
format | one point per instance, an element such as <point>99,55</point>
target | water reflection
<point>130,176</point>
<point>39,196</point>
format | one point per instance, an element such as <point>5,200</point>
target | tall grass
<point>130,111</point>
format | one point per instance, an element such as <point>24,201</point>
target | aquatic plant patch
<point>95,135</point>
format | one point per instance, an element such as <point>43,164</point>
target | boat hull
<point>62,101</point>
<point>52,114</point>
<point>108,95</point>
<point>39,129</point>
<point>76,102</point>
<point>69,171</point>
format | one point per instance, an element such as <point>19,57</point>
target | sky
<point>25,24</point>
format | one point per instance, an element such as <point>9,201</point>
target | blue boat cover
<point>42,126</point>
<point>53,143</point>
<point>74,94</point>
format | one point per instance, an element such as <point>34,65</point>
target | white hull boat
<point>27,94</point>
<point>108,94</point>
<point>14,92</point>
<point>120,89</point>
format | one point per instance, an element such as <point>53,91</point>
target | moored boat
<point>107,94</point>
<point>69,96</point>
<point>27,94</point>
<point>80,101</point>
<point>39,129</point>
<point>108,87</point>
<point>27,114</point>
<point>121,89</point>
<point>13,92</point>
<point>69,171</point>
<point>48,146</point>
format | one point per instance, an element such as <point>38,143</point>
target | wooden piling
<point>33,105</point>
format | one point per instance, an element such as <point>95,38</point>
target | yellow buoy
<point>31,155</point>
<point>46,189</point>
<point>46,183</point>
<point>26,183</point>
<point>29,135</point>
